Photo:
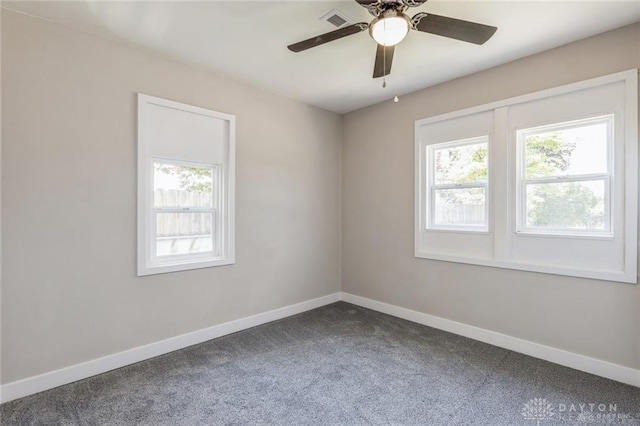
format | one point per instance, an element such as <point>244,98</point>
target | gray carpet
<point>339,364</point>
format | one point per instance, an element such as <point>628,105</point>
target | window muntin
<point>458,185</point>
<point>565,178</point>
<point>184,217</point>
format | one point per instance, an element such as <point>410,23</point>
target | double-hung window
<point>544,182</point>
<point>185,187</point>
<point>565,177</point>
<point>186,202</point>
<point>458,178</point>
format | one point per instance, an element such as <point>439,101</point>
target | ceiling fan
<point>391,25</point>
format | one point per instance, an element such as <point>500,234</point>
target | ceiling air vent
<point>336,18</point>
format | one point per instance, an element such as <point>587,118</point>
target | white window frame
<point>611,255</point>
<point>433,187</point>
<point>223,208</point>
<point>522,181</point>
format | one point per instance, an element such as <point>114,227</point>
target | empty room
<point>356,212</point>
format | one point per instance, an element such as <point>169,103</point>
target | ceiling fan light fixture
<point>390,28</point>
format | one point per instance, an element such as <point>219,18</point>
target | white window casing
<point>181,228</point>
<point>517,234</point>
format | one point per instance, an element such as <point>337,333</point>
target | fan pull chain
<point>384,58</point>
<point>384,66</point>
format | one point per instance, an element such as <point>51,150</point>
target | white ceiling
<point>247,40</point>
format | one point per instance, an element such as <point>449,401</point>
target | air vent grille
<point>336,18</point>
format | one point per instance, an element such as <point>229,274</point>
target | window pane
<point>566,205</point>
<point>183,233</point>
<point>569,151</point>
<point>460,206</point>
<point>461,164</point>
<point>182,186</point>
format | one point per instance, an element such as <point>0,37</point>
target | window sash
<point>215,180</point>
<point>482,140</point>
<point>432,224</point>
<point>460,185</point>
<point>216,220</point>
<point>183,209</point>
<point>607,230</point>
<point>568,125</point>
<point>215,237</point>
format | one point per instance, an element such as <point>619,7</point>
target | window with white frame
<point>551,187</point>
<point>565,176</point>
<point>185,187</point>
<point>186,200</point>
<point>458,181</point>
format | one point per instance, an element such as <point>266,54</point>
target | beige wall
<point>70,292</point>
<point>594,318</point>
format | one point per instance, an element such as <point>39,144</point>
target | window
<point>186,199</point>
<point>458,185</point>
<point>185,187</point>
<point>545,182</point>
<point>565,177</point>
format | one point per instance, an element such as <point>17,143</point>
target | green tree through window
<point>193,179</point>
<point>567,205</point>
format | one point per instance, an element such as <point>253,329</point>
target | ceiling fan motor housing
<point>383,6</point>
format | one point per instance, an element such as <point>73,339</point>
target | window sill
<point>182,266</point>
<point>460,231</point>
<point>606,275</point>
<point>576,236</point>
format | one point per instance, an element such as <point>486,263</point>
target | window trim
<point>629,272</point>
<point>433,187</point>
<point>145,263</point>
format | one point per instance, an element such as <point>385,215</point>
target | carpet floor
<point>339,364</point>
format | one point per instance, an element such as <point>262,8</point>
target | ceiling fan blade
<point>327,37</point>
<point>413,3</point>
<point>370,5</point>
<point>453,28</point>
<point>384,58</point>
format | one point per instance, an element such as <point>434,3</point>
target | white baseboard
<point>42,382</point>
<point>558,356</point>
